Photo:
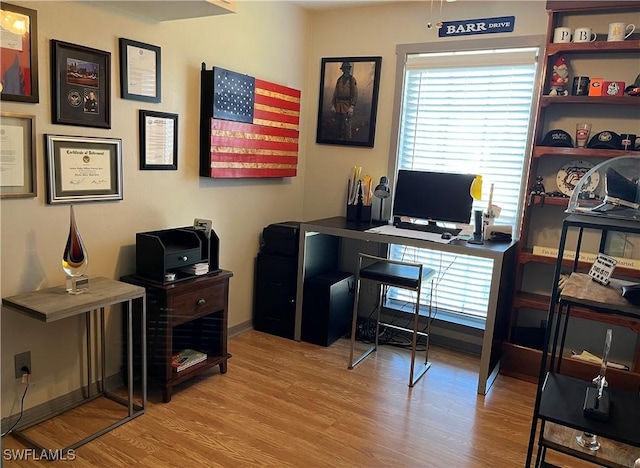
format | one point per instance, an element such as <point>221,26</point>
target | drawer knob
<point>184,258</point>
<point>200,301</point>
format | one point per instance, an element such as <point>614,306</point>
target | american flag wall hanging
<point>248,127</point>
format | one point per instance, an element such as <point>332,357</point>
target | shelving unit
<point>558,410</point>
<point>541,224</point>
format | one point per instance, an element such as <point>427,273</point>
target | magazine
<point>187,358</point>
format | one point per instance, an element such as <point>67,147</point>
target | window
<point>465,112</point>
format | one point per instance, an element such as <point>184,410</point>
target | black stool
<point>402,275</point>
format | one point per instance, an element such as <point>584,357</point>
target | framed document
<point>140,72</point>
<point>81,81</point>
<point>18,162</point>
<point>19,53</point>
<point>158,140</point>
<point>83,169</point>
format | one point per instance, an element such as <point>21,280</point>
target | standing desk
<point>49,305</point>
<point>500,293</point>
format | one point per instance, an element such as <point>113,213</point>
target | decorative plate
<point>570,174</point>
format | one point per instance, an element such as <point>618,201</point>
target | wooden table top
<point>581,289</point>
<point>49,305</point>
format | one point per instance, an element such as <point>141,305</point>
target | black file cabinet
<point>327,308</point>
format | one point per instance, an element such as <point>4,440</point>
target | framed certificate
<point>140,73</point>
<point>158,140</point>
<point>18,162</point>
<point>83,169</point>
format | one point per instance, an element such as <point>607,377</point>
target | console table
<point>49,305</point>
<point>502,254</point>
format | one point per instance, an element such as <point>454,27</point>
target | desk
<point>501,289</point>
<point>49,305</point>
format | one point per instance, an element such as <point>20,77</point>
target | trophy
<point>74,260</point>
<point>596,402</point>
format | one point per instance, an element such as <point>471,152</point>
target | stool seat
<point>402,276</point>
<point>399,274</point>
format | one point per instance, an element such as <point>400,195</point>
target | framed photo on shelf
<point>19,54</point>
<point>18,162</point>
<point>348,100</point>
<point>83,169</point>
<point>158,140</point>
<point>140,71</point>
<point>81,85</point>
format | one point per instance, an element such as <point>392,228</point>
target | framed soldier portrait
<point>348,100</point>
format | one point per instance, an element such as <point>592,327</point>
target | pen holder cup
<point>359,213</point>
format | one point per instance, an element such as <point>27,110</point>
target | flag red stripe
<point>253,158</point>
<point>217,124</point>
<point>266,115</point>
<point>237,173</point>
<point>253,144</point>
<point>275,102</point>
<point>277,88</point>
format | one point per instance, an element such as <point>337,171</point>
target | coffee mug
<point>580,86</point>
<point>562,34</point>
<point>628,141</point>
<point>584,35</point>
<point>620,31</point>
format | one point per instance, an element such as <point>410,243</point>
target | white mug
<point>620,31</point>
<point>562,34</point>
<point>584,35</point>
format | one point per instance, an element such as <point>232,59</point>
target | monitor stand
<point>431,227</point>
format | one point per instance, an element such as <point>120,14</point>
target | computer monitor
<point>433,196</point>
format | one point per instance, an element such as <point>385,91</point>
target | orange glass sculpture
<point>75,260</point>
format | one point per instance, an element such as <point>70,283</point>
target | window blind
<point>466,112</point>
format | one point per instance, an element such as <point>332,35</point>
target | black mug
<point>580,86</point>
<point>628,141</point>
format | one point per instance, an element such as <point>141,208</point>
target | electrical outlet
<point>371,287</point>
<point>22,360</point>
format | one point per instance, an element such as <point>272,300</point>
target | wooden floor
<point>284,403</point>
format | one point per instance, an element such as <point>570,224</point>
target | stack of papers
<point>196,269</point>
<point>187,358</point>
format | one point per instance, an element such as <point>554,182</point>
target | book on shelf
<point>584,257</point>
<point>186,358</point>
<point>196,269</point>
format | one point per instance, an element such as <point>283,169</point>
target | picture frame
<point>83,169</point>
<point>80,85</point>
<point>158,140</point>
<point>347,110</point>
<point>140,71</point>
<point>18,163</point>
<point>19,54</point>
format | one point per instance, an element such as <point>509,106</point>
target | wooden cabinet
<point>542,220</point>
<point>188,314</point>
<point>558,412</point>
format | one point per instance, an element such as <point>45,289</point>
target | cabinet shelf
<point>546,101</point>
<point>593,47</point>
<point>540,151</point>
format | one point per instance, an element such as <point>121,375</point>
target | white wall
<point>268,40</point>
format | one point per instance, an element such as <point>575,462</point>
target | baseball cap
<point>605,140</point>
<point>557,137</point>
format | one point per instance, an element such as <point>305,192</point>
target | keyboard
<point>426,228</point>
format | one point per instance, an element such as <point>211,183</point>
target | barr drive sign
<point>500,24</point>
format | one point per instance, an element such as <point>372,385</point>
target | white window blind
<point>466,112</point>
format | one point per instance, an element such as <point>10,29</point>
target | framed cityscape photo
<point>83,169</point>
<point>348,100</point>
<point>80,85</point>
<point>18,162</point>
<point>140,71</point>
<point>19,54</point>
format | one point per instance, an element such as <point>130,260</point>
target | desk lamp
<point>382,191</point>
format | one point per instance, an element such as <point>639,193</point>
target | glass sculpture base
<point>588,441</point>
<point>77,284</point>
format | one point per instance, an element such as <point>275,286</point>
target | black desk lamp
<point>382,191</point>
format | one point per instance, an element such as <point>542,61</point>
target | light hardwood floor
<point>284,403</point>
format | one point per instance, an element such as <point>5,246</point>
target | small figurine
<point>537,189</point>
<point>559,78</point>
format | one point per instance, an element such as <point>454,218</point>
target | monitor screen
<point>433,196</point>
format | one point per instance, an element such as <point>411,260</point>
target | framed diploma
<point>19,53</point>
<point>158,140</point>
<point>139,71</point>
<point>83,169</point>
<point>18,161</point>
<point>81,82</point>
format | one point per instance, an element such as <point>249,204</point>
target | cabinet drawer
<point>181,258</point>
<point>197,302</point>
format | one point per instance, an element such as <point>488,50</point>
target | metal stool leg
<point>353,363</point>
<point>414,342</point>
